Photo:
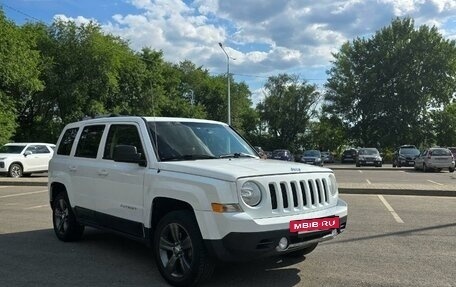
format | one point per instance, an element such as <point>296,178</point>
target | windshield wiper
<point>187,157</point>
<point>236,155</point>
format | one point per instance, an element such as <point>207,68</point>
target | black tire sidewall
<point>187,220</point>
<point>74,230</point>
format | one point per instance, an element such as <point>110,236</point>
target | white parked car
<point>435,159</point>
<point>194,190</point>
<point>22,159</point>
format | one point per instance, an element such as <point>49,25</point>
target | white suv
<point>194,190</point>
<point>23,159</point>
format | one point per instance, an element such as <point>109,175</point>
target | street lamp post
<point>228,81</point>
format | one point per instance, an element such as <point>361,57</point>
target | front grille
<point>299,195</point>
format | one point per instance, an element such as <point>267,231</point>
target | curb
<point>342,190</point>
<point>23,183</point>
<point>379,191</point>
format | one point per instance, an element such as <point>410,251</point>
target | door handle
<point>102,172</point>
<point>72,168</point>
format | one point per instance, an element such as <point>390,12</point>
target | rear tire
<point>179,250</point>
<point>66,227</point>
<point>301,252</point>
<point>451,169</point>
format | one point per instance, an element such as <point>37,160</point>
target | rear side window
<point>67,141</point>
<point>122,135</point>
<point>89,141</point>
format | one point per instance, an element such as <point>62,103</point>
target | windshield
<point>11,149</point>
<point>368,152</point>
<point>195,140</point>
<point>409,151</point>
<point>314,153</point>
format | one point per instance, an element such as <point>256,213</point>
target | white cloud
<point>265,37</point>
<point>80,20</point>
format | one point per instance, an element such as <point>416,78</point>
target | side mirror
<point>128,153</point>
<point>27,153</point>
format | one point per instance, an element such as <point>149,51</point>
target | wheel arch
<point>163,205</point>
<point>54,189</point>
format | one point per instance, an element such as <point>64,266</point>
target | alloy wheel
<point>61,216</point>
<point>176,250</point>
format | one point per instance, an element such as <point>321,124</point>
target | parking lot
<point>389,241</point>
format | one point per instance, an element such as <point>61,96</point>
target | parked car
<point>405,156</point>
<point>368,156</point>
<point>260,152</point>
<point>453,151</point>
<point>23,159</point>
<point>312,157</point>
<point>349,155</point>
<point>192,190</point>
<point>435,159</point>
<point>282,154</point>
<point>327,157</point>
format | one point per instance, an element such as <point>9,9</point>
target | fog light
<point>283,243</point>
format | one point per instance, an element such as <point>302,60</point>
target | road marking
<point>25,193</point>
<point>360,171</point>
<point>4,186</point>
<point>390,209</point>
<point>368,181</point>
<point>431,181</point>
<point>38,206</point>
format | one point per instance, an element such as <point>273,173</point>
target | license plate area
<point>314,224</point>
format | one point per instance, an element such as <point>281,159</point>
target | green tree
<point>445,126</point>
<point>287,108</point>
<point>19,74</point>
<point>329,133</point>
<point>384,87</point>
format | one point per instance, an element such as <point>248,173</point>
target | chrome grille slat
<point>288,196</point>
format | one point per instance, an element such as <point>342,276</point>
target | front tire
<point>179,250</point>
<point>301,252</point>
<point>451,169</point>
<point>66,227</point>
<point>15,170</point>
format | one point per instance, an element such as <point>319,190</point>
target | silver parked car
<point>435,159</point>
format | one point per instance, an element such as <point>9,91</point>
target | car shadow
<point>38,258</point>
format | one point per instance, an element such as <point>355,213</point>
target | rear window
<point>440,152</point>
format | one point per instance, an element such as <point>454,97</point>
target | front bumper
<point>406,162</point>
<point>243,246</point>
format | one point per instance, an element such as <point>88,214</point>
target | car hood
<point>235,168</point>
<point>5,155</point>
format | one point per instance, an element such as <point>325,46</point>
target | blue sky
<point>265,37</point>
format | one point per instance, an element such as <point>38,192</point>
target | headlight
<point>332,185</point>
<point>251,193</point>
<point>318,159</point>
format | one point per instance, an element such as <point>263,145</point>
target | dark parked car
<point>368,156</point>
<point>312,157</point>
<point>349,155</point>
<point>405,156</point>
<point>327,157</point>
<point>282,154</point>
<point>453,151</point>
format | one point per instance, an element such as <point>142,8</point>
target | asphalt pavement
<point>346,175</point>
